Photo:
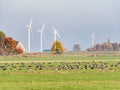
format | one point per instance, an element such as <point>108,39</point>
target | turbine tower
<point>55,32</point>
<point>41,37</point>
<point>92,39</point>
<point>29,27</point>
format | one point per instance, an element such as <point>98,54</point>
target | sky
<point>75,21</point>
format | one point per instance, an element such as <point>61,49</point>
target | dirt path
<point>60,61</point>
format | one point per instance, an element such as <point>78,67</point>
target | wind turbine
<point>41,37</point>
<point>55,32</point>
<point>92,39</point>
<point>29,27</point>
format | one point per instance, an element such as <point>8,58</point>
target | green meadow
<point>60,72</point>
<point>60,80</point>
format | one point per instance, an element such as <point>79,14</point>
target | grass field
<point>60,72</point>
<point>60,80</point>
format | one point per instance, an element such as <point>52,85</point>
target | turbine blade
<point>31,21</point>
<point>55,31</point>
<point>32,33</point>
<point>58,35</point>
<point>92,36</point>
<point>54,28</point>
<point>43,26</point>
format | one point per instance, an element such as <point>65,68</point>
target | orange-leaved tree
<point>8,43</point>
<point>57,48</point>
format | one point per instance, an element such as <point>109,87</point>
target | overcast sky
<point>75,20</point>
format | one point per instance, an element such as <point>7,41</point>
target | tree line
<point>107,46</point>
<point>8,46</point>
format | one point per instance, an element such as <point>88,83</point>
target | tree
<point>8,44</point>
<point>115,46</point>
<point>98,47</point>
<point>2,35</point>
<point>57,48</point>
<point>107,47</point>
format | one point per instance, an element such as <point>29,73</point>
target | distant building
<point>46,50</point>
<point>19,47</point>
<point>76,48</point>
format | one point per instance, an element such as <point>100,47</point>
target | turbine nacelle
<point>55,32</point>
<point>28,26</point>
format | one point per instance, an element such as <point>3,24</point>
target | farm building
<point>19,47</point>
